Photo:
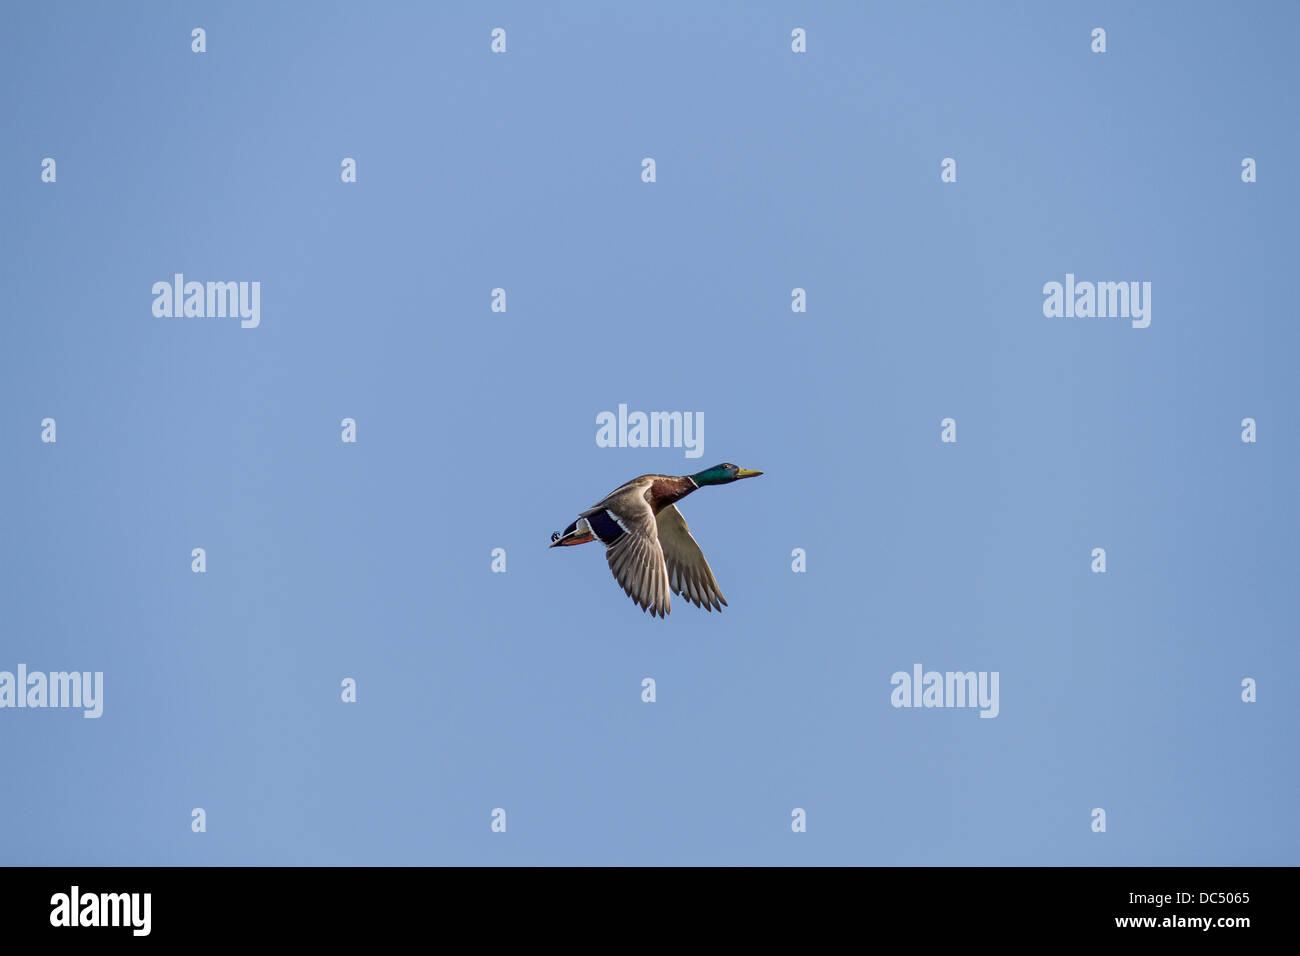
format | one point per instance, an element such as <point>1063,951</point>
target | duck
<point>649,547</point>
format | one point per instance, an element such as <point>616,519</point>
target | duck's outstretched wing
<point>689,573</point>
<point>625,524</point>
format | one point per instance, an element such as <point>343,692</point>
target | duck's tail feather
<point>577,533</point>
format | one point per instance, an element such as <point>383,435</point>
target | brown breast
<point>666,489</point>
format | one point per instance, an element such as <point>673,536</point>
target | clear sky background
<point>476,430</point>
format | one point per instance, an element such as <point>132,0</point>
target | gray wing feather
<point>689,573</point>
<point>636,558</point>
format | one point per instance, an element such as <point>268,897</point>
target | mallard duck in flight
<point>647,543</point>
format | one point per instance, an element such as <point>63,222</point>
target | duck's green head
<point>723,474</point>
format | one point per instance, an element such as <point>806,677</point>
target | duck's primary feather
<point>689,573</point>
<point>632,545</point>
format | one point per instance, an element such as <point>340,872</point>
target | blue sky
<point>476,430</point>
